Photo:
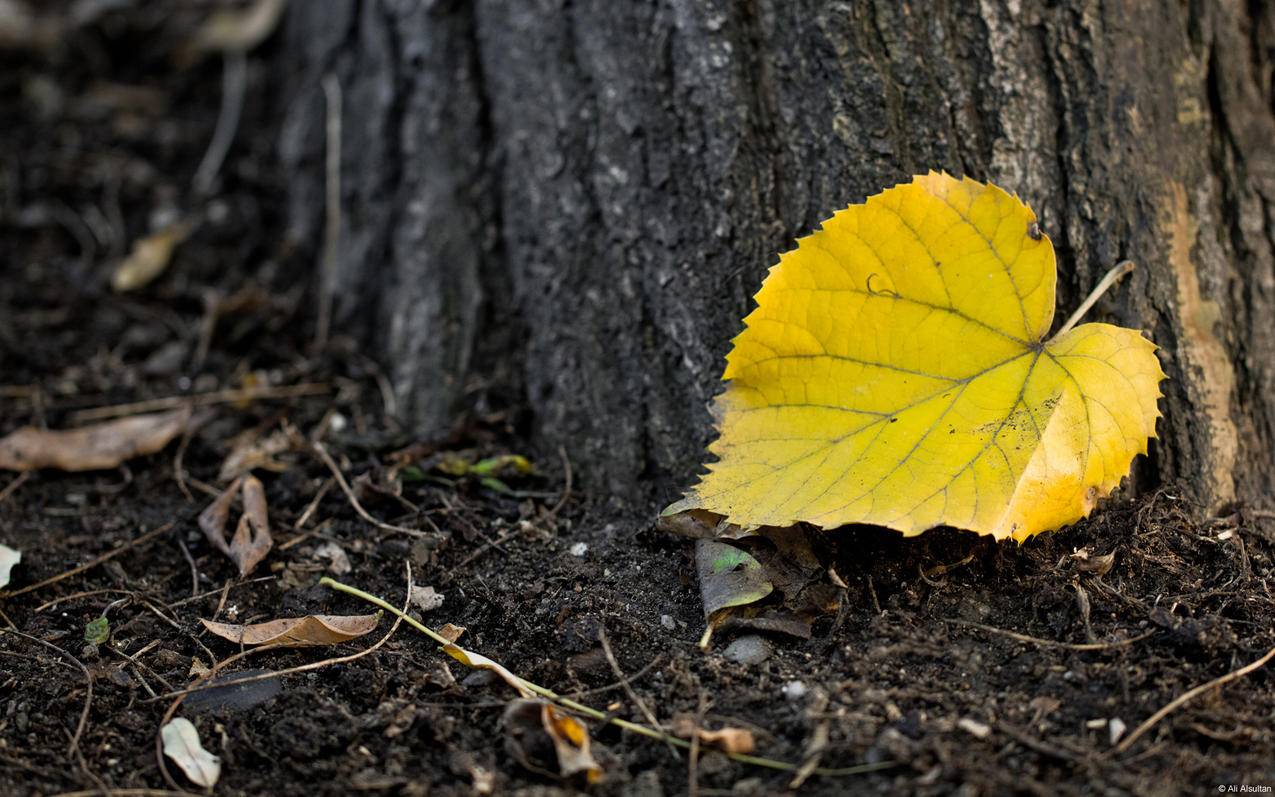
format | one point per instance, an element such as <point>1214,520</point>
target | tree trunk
<point>571,202</point>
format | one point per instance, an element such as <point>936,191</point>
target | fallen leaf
<point>728,739</point>
<point>252,451</point>
<point>480,662</point>
<point>897,371</point>
<point>100,446</point>
<point>251,541</point>
<point>427,599</point>
<point>338,559</point>
<point>548,741</point>
<point>181,744</point>
<point>451,632</point>
<point>97,631</point>
<point>148,258</point>
<point>233,692</point>
<point>314,629</point>
<point>728,576</point>
<point>9,558</point>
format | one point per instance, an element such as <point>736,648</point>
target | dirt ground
<point>953,664</point>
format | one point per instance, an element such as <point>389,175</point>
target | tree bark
<point>569,203</point>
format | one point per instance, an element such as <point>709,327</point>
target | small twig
<point>628,688</point>
<point>229,396</point>
<point>332,215</point>
<point>1189,695</point>
<point>327,459</point>
<point>651,733</point>
<point>179,464</point>
<point>266,676</point>
<point>692,763</point>
<point>233,81</point>
<point>88,684</point>
<point>566,483</point>
<point>1117,271</point>
<point>147,537</point>
<point>1050,643</point>
<point>12,487</point>
<point>312,506</point>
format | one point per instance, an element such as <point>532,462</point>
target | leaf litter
<point>100,446</point>
<point>311,630</point>
<point>251,541</point>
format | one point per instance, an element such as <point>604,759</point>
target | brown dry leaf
<point>148,258</point>
<point>253,451</point>
<point>451,632</point>
<point>548,741</point>
<point>251,541</point>
<point>101,446</point>
<point>296,632</point>
<point>728,739</point>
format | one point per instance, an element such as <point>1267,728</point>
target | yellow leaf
<point>896,372</point>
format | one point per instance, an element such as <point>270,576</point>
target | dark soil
<point>956,663</point>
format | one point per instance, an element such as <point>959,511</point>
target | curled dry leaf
<point>296,632</point>
<point>480,662</point>
<point>728,576</point>
<point>8,558</point>
<point>181,744</point>
<point>251,541</point>
<point>100,446</point>
<point>252,451</point>
<point>148,258</point>
<point>548,741</point>
<point>728,739</point>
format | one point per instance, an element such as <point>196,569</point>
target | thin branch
<point>233,82</point>
<point>147,537</point>
<point>88,684</point>
<point>1050,643</point>
<point>1191,694</point>
<point>327,459</point>
<point>642,730</point>
<point>1117,271</point>
<point>201,400</point>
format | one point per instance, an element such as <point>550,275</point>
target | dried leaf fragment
<point>9,558</point>
<point>101,446</point>
<point>182,745</point>
<point>548,741</point>
<point>728,739</point>
<point>251,541</point>
<point>311,630</point>
<point>898,371</point>
<point>149,258</point>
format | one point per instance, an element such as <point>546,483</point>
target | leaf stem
<point>588,711</point>
<point>1117,271</point>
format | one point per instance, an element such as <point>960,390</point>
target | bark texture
<point>572,201</point>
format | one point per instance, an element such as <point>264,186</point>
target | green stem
<point>588,711</point>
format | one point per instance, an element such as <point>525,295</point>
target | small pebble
<point>748,650</point>
<point>579,549</point>
<point>667,622</point>
<point>795,690</point>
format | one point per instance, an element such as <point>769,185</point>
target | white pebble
<point>795,690</point>
<point>579,549</point>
